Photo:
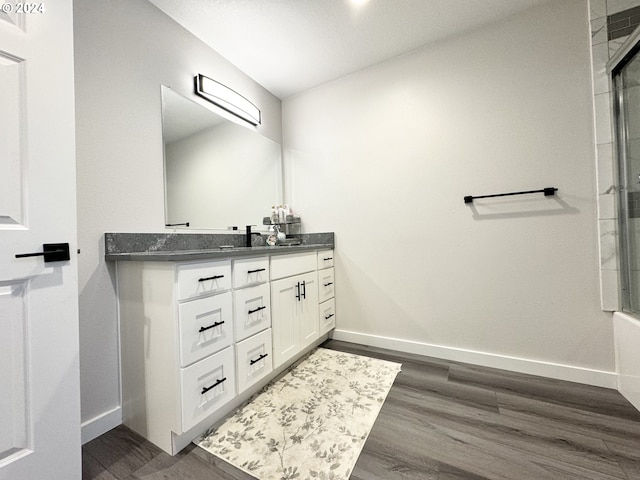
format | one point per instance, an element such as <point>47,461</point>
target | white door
<point>39,378</point>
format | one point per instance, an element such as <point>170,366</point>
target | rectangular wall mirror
<point>217,173</point>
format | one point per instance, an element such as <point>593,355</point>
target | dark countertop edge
<point>212,254</point>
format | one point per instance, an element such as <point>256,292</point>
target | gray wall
<point>385,156</point>
<point>124,51</point>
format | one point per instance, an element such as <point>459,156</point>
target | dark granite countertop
<point>184,247</point>
<point>212,253</point>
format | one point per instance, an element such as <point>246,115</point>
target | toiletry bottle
<point>274,215</point>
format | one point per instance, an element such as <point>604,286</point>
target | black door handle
<point>304,289</point>
<point>52,252</point>
<point>298,291</point>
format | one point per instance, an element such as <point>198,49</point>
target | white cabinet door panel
<point>251,311</point>
<point>250,271</point>
<point>206,386</point>
<point>205,327</point>
<point>253,359</point>
<point>325,284</point>
<point>325,259</point>
<point>198,279</point>
<point>308,309</point>
<point>327,315</point>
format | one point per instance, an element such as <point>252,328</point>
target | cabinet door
<point>252,311</point>
<point>308,309</point>
<point>253,359</point>
<point>284,309</point>
<point>205,386</point>
<point>325,259</point>
<point>203,278</point>
<point>205,327</point>
<point>250,271</point>
<point>325,284</point>
<point>327,315</point>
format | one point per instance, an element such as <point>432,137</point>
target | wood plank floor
<point>441,420</point>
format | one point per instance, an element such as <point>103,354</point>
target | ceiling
<point>289,46</point>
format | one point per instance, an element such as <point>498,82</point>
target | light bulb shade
<point>227,99</point>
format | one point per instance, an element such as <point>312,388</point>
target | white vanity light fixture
<point>228,99</point>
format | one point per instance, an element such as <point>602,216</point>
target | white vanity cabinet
<point>199,337</point>
<point>326,291</point>
<point>294,303</point>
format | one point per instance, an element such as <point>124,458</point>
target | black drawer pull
<point>215,277</point>
<point>264,355</point>
<point>327,317</point>
<point>206,389</point>
<point>257,270</point>
<point>328,258</point>
<point>256,309</point>
<point>216,324</point>
<point>327,284</point>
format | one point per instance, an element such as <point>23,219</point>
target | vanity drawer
<point>288,265</point>
<point>327,312</point>
<point>325,259</point>
<point>197,279</point>
<point>251,310</point>
<point>250,271</point>
<point>206,386</point>
<point>205,326</point>
<point>325,284</point>
<point>253,359</point>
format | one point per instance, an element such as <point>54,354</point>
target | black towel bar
<point>548,191</point>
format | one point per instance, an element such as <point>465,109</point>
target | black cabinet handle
<point>264,355</point>
<point>298,291</point>
<point>327,317</point>
<point>206,389</point>
<point>327,284</point>
<point>304,289</point>
<point>257,270</point>
<point>328,258</point>
<point>215,277</point>
<point>256,309</point>
<point>204,329</point>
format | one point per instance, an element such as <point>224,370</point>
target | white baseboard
<point>101,424</point>
<point>557,371</point>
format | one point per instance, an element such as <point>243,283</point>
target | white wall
<point>124,51</point>
<point>384,157</point>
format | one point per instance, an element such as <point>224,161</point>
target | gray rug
<point>310,424</point>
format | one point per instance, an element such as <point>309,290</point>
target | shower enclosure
<point>626,81</point>
<point>625,73</point>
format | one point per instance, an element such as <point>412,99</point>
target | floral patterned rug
<point>310,424</point>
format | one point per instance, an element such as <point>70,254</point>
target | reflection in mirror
<point>217,173</point>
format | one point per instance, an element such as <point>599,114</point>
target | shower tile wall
<point>612,21</point>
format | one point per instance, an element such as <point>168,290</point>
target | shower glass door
<point>626,78</point>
